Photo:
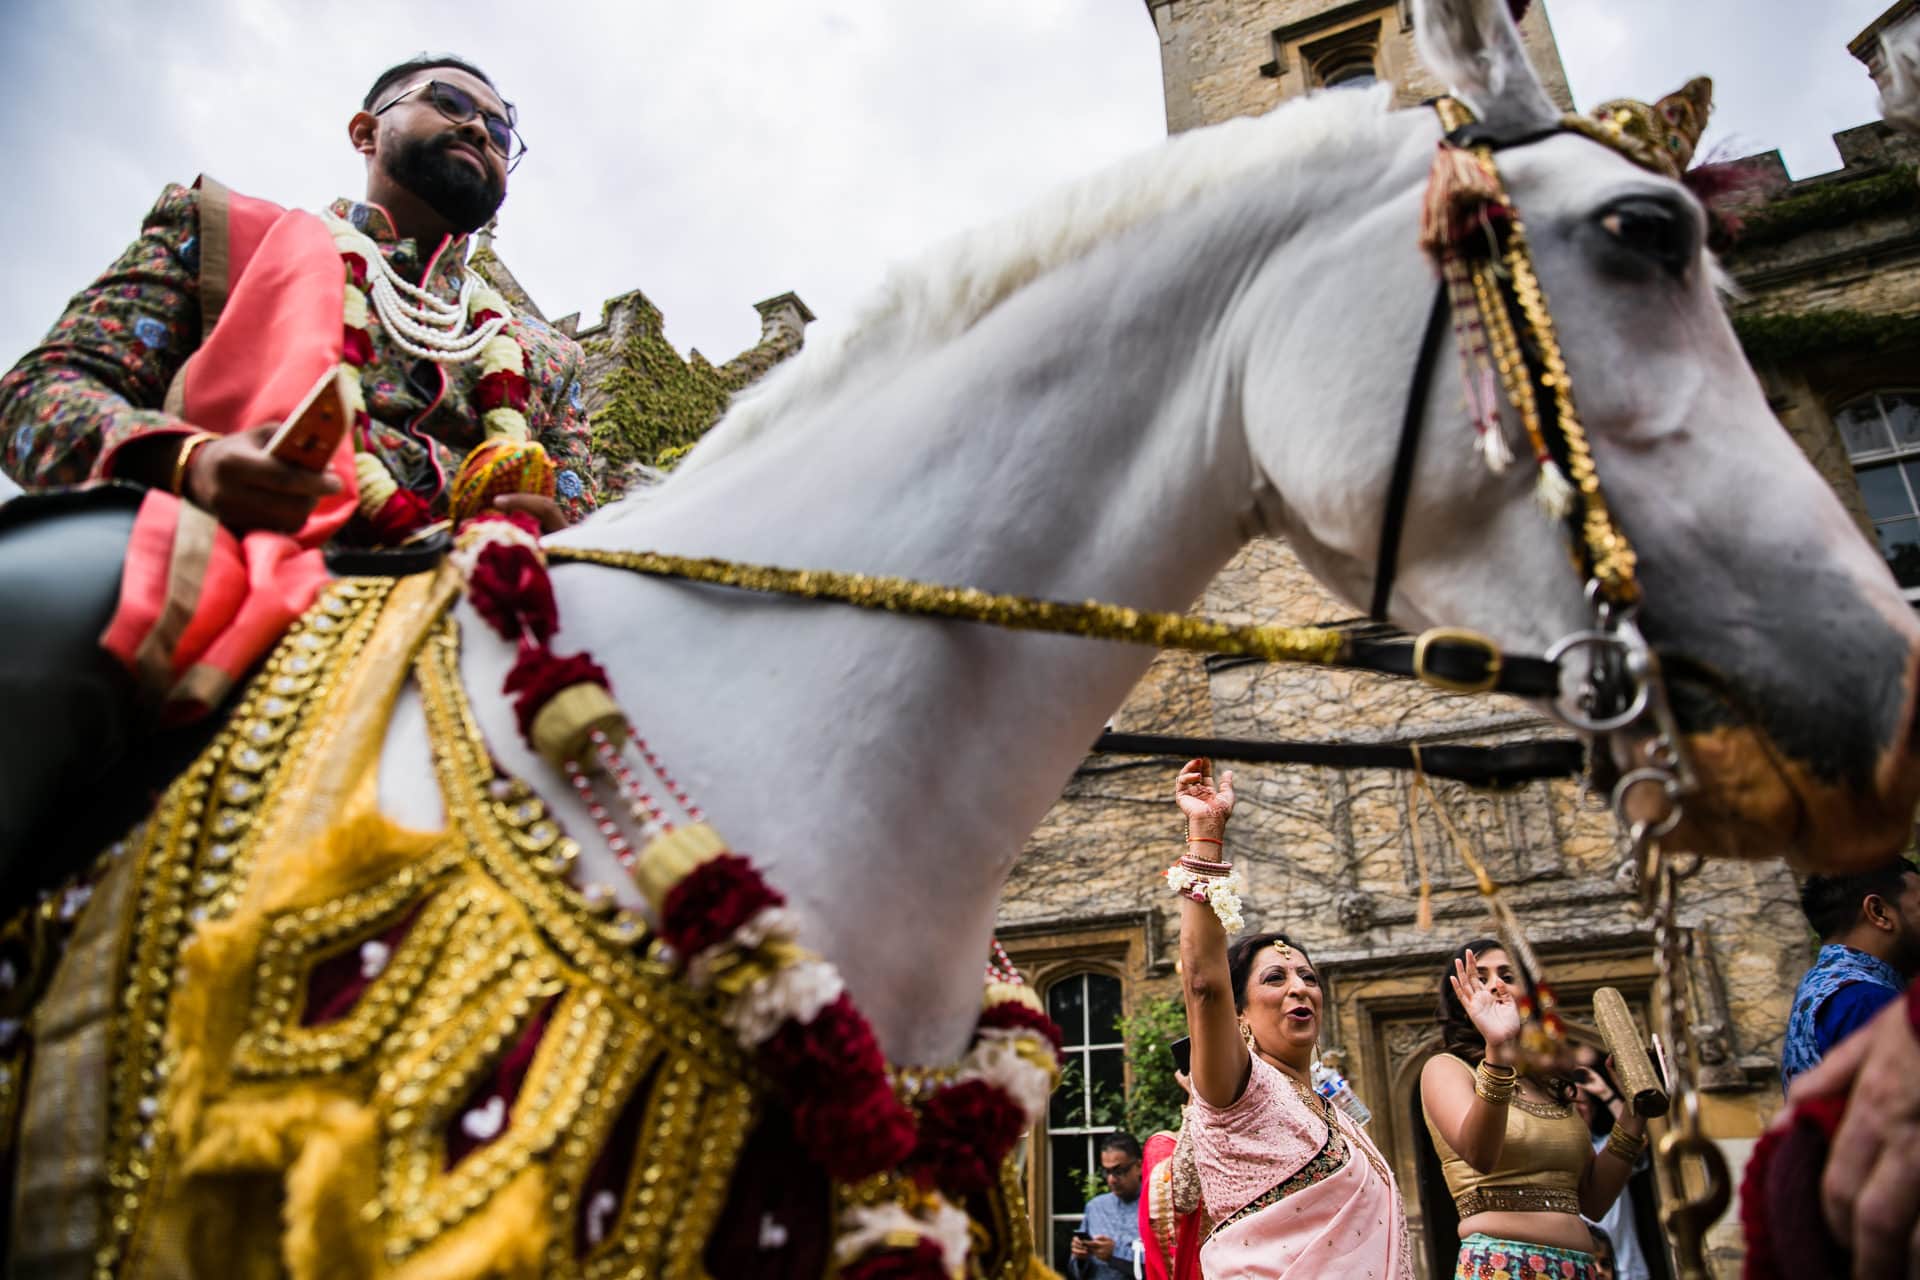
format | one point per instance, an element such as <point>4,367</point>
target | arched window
<point>1882,435</point>
<point>1353,73</point>
<point>1090,1101</point>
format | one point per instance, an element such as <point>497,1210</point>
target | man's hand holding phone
<point>246,487</point>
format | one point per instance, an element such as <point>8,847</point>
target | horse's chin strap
<point>1393,519</point>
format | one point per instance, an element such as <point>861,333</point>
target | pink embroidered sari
<point>1294,1199</point>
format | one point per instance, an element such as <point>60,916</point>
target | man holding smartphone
<point>1108,1241</point>
<point>98,398</point>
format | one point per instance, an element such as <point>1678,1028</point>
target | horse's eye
<point>1651,230</point>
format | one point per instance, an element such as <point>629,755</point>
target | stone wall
<point>1226,58</point>
<point>1335,857</point>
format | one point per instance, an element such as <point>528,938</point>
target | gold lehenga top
<point>287,1037</point>
<point>1541,1162</point>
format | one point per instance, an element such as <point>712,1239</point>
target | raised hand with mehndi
<point>1491,1008</point>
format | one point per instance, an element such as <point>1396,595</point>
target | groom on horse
<point>91,402</point>
<point>172,374</point>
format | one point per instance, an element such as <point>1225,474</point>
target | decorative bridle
<point>1504,332</point>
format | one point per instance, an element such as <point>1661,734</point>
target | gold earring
<point>1246,1036</point>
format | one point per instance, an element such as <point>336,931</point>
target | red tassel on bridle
<point>1465,212</point>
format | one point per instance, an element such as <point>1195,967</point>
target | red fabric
<point>1155,1260</point>
<point>922,1262</point>
<point>503,1082</point>
<point>336,984</point>
<point>280,330</point>
<point>1188,1234</point>
<point>1787,1238</point>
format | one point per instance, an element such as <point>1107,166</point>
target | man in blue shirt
<point>1869,927</point>
<point>1109,1238</point>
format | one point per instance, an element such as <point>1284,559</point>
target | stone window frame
<point>1129,946</point>
<point>1902,459</point>
<point>1329,42</point>
<point>1082,1054</point>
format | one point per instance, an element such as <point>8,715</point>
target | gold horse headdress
<point>1662,136</point>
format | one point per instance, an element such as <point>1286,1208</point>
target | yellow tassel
<point>668,859</point>
<point>1423,916</point>
<point>507,1240</point>
<point>1457,187</point>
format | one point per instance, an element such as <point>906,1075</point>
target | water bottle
<point>1333,1086</point>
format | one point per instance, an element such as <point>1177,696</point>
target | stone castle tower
<point>1334,856</point>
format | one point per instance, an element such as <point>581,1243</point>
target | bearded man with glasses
<point>172,373</point>
<point>91,402</point>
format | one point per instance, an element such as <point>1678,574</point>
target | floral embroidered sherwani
<point>102,373</point>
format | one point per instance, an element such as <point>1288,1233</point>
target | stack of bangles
<point>1625,1146</point>
<point>1212,883</point>
<point>1495,1084</point>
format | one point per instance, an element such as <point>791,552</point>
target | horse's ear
<point>1900,91</point>
<point>1474,46</point>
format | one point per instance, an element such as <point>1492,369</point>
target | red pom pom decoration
<point>712,901</point>
<point>502,387</point>
<point>1012,1016</point>
<point>541,673</point>
<point>400,517</point>
<point>510,588</point>
<point>966,1130</point>
<point>852,1140</point>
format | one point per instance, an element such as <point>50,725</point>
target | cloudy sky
<point>716,153</point>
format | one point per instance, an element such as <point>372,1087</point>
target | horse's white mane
<point>953,286</point>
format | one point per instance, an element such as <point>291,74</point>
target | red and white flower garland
<point>508,460</point>
<point>901,1178</point>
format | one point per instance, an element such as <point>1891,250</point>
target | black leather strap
<point>1393,516</point>
<point>1508,765</point>
<point>1458,663</point>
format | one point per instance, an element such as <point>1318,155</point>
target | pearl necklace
<point>420,324</point>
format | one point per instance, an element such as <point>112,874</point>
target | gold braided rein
<point>1322,645</point>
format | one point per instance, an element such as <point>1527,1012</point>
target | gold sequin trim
<point>191,857</point>
<point>1515,1200</point>
<point>967,604</point>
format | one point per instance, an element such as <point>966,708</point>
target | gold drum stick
<point>1645,1094</point>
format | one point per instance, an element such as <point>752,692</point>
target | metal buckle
<point>1459,636</point>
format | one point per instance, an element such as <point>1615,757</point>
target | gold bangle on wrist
<point>1495,1084</point>
<point>1626,1146</point>
<point>182,458</point>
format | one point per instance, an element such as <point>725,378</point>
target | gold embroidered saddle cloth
<point>277,1035</point>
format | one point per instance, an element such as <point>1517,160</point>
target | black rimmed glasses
<point>459,106</point>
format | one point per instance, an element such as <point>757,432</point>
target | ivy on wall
<point>1829,206</point>
<point>1805,333</point>
<point>656,405</point>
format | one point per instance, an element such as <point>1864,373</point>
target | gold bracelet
<point>1625,1145</point>
<point>1495,1084</point>
<point>181,459</point>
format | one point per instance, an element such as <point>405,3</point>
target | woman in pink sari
<point>1294,1189</point>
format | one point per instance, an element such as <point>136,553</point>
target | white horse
<point>1105,398</point>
